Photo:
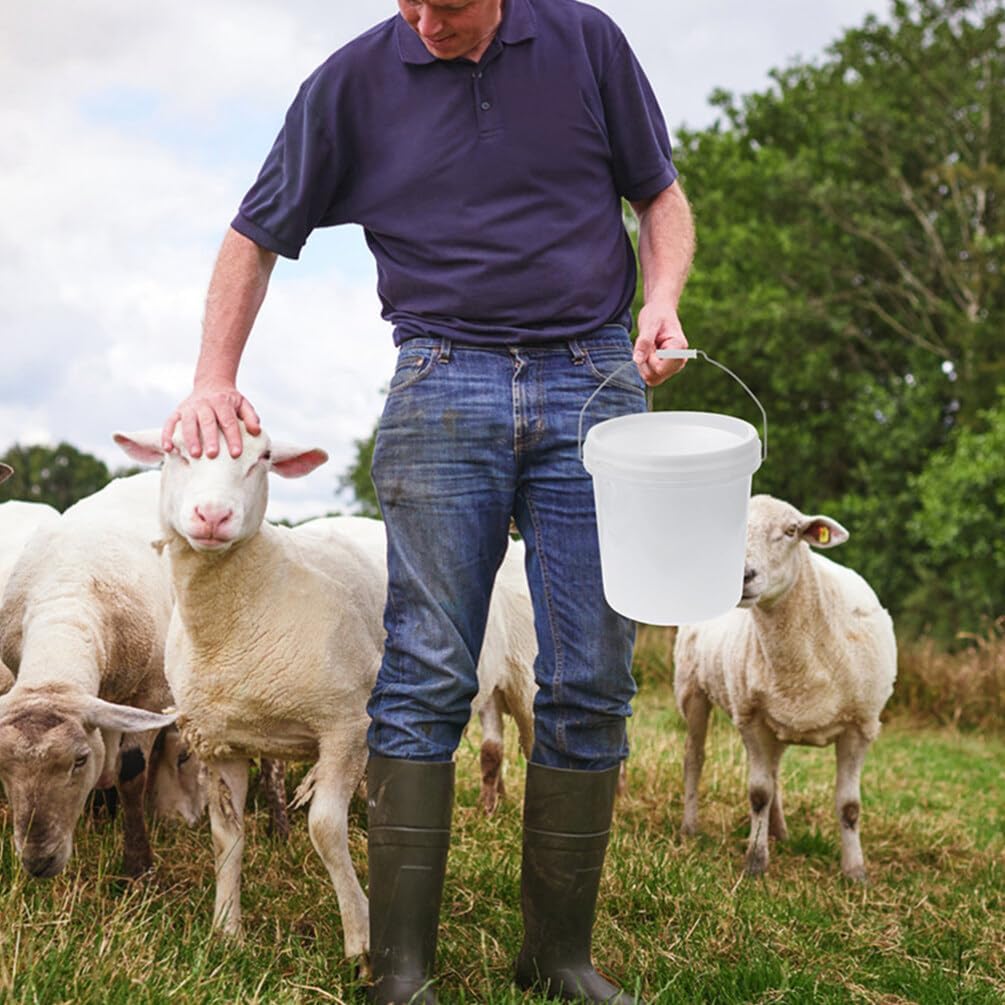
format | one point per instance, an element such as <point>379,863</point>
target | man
<point>484,146</point>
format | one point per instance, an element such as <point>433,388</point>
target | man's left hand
<point>659,328</point>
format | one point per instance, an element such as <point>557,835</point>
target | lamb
<point>82,625</point>
<point>808,657</point>
<point>274,647</point>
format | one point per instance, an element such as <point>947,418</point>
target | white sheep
<point>82,626</point>
<point>809,657</point>
<point>175,779</point>
<point>274,648</point>
<point>18,521</point>
<point>506,672</point>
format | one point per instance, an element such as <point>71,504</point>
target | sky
<point>129,134</point>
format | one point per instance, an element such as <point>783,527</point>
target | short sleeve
<point>640,142</point>
<point>296,186</point>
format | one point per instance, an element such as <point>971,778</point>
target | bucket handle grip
<point>679,354</point>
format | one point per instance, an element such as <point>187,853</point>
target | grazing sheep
<point>82,626</point>
<point>809,657</point>
<point>5,472</point>
<point>175,779</point>
<point>176,784</point>
<point>274,647</point>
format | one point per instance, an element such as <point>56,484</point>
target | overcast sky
<point>128,135</point>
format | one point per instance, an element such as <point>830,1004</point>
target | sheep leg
<point>851,748</point>
<point>131,783</point>
<point>228,790</point>
<point>763,755</point>
<point>273,775</point>
<point>336,778</point>
<point>490,716</point>
<point>776,818</point>
<point>696,712</point>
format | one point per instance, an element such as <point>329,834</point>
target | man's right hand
<point>207,411</point>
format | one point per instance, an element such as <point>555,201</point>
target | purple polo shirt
<point>489,193</point>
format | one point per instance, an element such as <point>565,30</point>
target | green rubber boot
<point>566,821</point>
<point>408,835</point>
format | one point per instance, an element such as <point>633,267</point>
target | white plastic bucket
<point>671,492</point>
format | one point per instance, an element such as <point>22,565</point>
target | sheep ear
<point>143,446</point>
<point>289,461</point>
<point>5,472</point>
<point>823,532</point>
<point>98,714</point>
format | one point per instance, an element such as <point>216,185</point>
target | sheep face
<point>216,502</point>
<point>778,536</point>
<point>48,764</point>
<point>179,783</point>
<point>51,754</point>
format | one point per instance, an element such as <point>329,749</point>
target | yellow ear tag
<point>823,534</point>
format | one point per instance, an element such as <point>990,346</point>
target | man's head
<point>450,29</point>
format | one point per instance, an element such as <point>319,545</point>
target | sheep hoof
<point>689,829</point>
<point>135,866</point>
<point>360,967</point>
<point>857,875</point>
<point>489,800</point>
<point>756,864</point>
<point>779,833</point>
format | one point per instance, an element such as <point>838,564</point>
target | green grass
<point>677,919</point>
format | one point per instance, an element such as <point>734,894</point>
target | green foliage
<point>848,269</point>
<point>961,495</point>
<point>59,476</point>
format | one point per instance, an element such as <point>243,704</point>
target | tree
<point>961,496</point>
<point>849,241</point>
<point>357,478</point>
<point>59,476</point>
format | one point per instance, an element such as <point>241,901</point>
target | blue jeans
<point>471,436</point>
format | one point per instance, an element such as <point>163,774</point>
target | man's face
<point>453,28</point>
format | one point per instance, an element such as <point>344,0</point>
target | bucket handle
<point>678,354</point>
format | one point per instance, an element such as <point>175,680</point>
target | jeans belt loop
<point>577,352</point>
<point>445,347</point>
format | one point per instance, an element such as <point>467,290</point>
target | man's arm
<point>236,292</point>
<point>666,248</point>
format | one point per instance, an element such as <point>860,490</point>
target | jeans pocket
<point>607,360</point>
<point>414,363</point>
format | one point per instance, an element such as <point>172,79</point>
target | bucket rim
<point>737,459</point>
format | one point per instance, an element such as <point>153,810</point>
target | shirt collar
<point>518,25</point>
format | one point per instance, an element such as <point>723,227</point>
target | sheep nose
<point>40,868</point>
<point>212,518</point>
<point>748,575</point>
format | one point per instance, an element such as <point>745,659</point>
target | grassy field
<point>677,919</point>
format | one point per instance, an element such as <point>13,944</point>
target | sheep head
<point>778,539</point>
<point>178,786</point>
<point>52,750</point>
<point>216,502</point>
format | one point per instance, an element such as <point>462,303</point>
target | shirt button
<point>486,105</point>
